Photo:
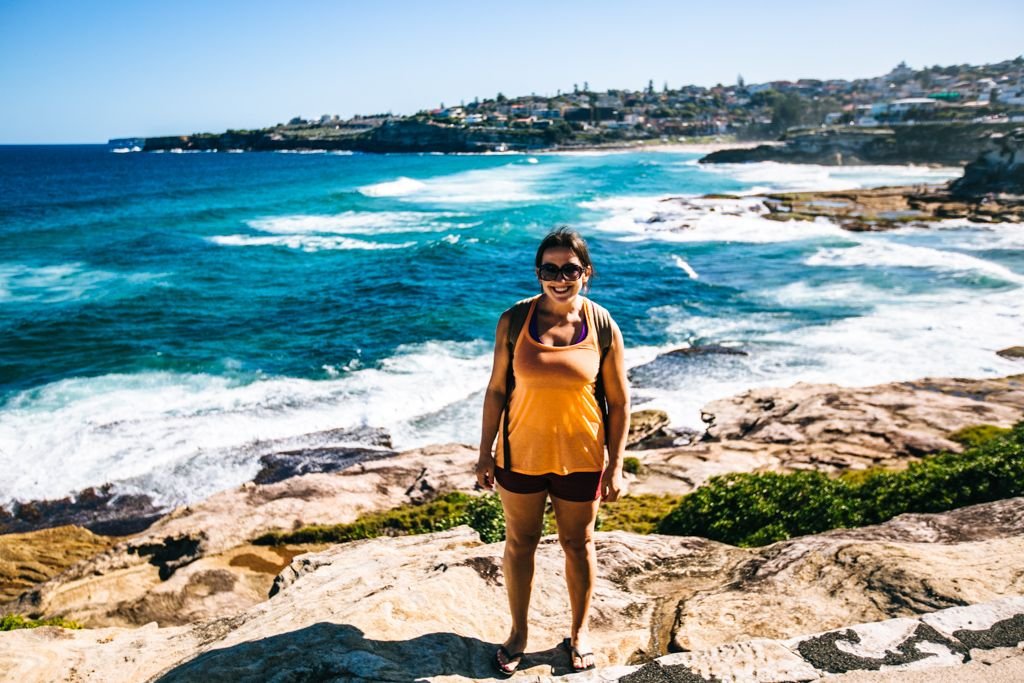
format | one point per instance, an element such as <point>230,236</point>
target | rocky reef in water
<point>189,595</point>
<point>946,144</point>
<point>991,190</point>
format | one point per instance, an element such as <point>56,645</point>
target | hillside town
<point>904,96</point>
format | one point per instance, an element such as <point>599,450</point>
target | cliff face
<point>999,169</point>
<point>392,136</point>
<point>946,144</point>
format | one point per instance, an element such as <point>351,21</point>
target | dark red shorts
<point>576,487</point>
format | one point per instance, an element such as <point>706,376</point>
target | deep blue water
<point>162,313</point>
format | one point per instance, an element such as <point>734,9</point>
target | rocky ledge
<point>947,144</point>
<point>198,562</point>
<point>886,208</point>
<point>432,607</point>
<point>991,190</point>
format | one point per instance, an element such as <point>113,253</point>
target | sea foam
<point>771,176</point>
<point>358,222</point>
<point>693,219</point>
<point>65,282</point>
<point>306,243</point>
<point>511,183</point>
<point>180,438</point>
<point>889,254</point>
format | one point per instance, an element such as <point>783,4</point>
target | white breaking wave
<point>904,338</point>
<point>771,176</point>
<point>962,234</point>
<point>687,268</point>
<point>357,222</point>
<point>63,282</point>
<point>306,243</point>
<point>888,254</point>
<point>511,183</point>
<point>180,438</point>
<point>693,219</point>
<point>393,188</point>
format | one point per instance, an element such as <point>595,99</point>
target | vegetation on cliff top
<point>11,622</point>
<point>757,509</point>
<point>741,509</point>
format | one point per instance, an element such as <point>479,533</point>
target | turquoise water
<point>167,318</point>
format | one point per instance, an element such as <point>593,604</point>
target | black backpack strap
<point>602,321</point>
<point>517,318</point>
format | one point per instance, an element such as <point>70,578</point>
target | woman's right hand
<point>485,472</point>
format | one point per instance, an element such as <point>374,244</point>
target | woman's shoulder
<point>598,310</point>
<point>519,307</point>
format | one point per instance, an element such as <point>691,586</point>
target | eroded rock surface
<point>432,607</point>
<point>170,571</point>
<point>870,425</point>
<point>186,567</point>
<point>31,558</point>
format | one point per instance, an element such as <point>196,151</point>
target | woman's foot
<point>510,655</point>
<point>580,652</point>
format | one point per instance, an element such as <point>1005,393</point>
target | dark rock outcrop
<point>946,144</point>
<point>1014,352</point>
<point>999,169</point>
<point>399,135</point>
<point>101,510</point>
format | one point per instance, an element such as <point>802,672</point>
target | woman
<point>567,353</point>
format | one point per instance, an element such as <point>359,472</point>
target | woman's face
<point>561,288</point>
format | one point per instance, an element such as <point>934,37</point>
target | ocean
<point>166,318</point>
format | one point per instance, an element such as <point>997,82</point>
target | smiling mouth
<point>560,290</point>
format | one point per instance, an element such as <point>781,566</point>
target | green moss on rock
<point>12,622</point>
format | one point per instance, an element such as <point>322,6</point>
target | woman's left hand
<point>611,485</point>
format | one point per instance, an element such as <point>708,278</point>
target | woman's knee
<point>577,545</point>
<point>522,541</point>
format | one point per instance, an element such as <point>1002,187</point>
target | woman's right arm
<point>494,404</point>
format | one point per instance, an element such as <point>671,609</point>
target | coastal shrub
<point>978,434</point>
<point>635,514</point>
<point>756,509</point>
<point>632,465</point>
<point>11,622</point>
<point>761,508</point>
<point>442,513</point>
<point>483,513</point>
<point>487,517</point>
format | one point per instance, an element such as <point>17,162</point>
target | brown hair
<point>570,239</point>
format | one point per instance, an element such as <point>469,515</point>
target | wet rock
<point>101,509</point>
<point>663,372</point>
<point>707,349</point>
<point>998,169</point>
<point>1013,352</point>
<point>281,466</point>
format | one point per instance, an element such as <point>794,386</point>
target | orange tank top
<point>555,422</point>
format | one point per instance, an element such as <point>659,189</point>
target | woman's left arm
<point>616,390</point>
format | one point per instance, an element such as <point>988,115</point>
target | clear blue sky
<point>81,71</point>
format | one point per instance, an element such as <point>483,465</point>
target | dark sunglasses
<point>570,272</point>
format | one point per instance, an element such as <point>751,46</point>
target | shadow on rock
<point>326,651</point>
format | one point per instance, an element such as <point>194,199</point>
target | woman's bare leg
<point>524,522</point>
<point>576,534</point>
